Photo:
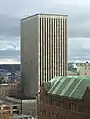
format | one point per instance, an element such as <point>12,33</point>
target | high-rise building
<point>43,49</point>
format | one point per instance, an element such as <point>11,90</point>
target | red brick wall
<point>53,107</point>
<point>53,112</point>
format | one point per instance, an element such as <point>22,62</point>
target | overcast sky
<point>11,11</point>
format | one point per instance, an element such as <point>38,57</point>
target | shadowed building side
<point>29,55</point>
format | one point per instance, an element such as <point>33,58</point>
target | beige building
<point>5,110</point>
<point>83,69</point>
<point>72,73</point>
<point>26,106</point>
<point>43,50</point>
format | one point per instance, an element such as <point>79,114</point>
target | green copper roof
<point>68,86</point>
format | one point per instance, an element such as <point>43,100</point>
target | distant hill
<point>10,67</point>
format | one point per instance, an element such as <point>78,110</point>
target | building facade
<point>24,106</point>
<point>16,106</point>
<point>83,69</point>
<point>65,98</point>
<point>9,89</point>
<point>72,73</point>
<point>5,111</point>
<point>43,50</point>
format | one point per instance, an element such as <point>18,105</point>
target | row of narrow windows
<point>71,106</point>
<point>52,115</point>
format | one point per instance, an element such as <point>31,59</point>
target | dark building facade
<point>65,98</point>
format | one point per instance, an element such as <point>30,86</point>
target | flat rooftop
<point>3,102</point>
<point>7,101</point>
<point>23,98</point>
<point>11,102</point>
<point>44,14</point>
<point>15,101</point>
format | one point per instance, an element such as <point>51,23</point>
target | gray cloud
<point>78,19</point>
<point>79,49</point>
<point>78,14</point>
<point>9,26</point>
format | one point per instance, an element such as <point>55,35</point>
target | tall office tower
<point>43,49</point>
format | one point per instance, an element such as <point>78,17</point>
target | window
<point>53,101</point>
<point>87,111</point>
<point>49,114</point>
<point>61,103</point>
<point>61,117</point>
<point>64,117</point>
<point>50,101</point>
<point>41,112</point>
<point>57,102</point>
<point>72,106</point>
<point>57,116</point>
<point>14,112</point>
<point>53,115</point>
<point>69,106</point>
<point>17,112</point>
<point>14,107</point>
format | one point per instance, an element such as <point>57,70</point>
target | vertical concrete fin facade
<point>53,46</point>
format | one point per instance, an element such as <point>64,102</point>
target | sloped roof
<point>68,86</point>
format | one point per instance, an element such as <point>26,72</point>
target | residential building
<point>9,89</point>
<point>25,106</point>
<point>4,89</point>
<point>16,106</point>
<point>13,88</point>
<point>65,98</point>
<point>43,50</point>
<point>10,110</point>
<point>83,69</point>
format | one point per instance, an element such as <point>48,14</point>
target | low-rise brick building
<point>65,98</point>
<point>9,89</point>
